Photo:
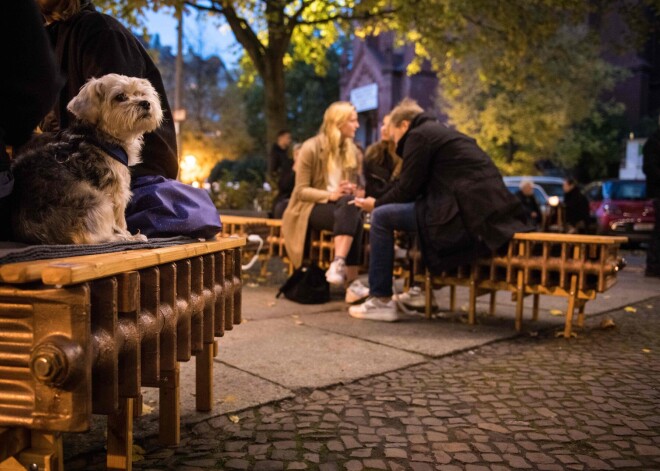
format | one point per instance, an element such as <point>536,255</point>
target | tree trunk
<point>274,99</point>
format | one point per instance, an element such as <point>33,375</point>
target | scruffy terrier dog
<point>74,188</point>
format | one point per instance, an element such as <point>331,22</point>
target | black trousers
<point>342,219</point>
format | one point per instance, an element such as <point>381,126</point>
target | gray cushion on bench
<point>12,252</point>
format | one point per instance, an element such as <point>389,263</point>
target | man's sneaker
<point>374,309</point>
<point>356,292</point>
<point>336,274</point>
<point>414,298</point>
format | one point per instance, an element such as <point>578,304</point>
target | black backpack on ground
<point>306,285</point>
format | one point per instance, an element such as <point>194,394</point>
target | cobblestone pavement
<point>546,403</point>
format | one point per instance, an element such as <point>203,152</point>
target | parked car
<point>621,207</point>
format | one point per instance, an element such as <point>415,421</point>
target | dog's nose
<point>145,104</point>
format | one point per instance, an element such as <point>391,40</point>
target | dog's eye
<point>121,97</point>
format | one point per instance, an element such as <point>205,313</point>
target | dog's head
<point>123,107</point>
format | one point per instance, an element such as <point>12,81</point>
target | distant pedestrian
<point>280,168</point>
<point>526,196</point>
<point>576,208</point>
<point>651,152</point>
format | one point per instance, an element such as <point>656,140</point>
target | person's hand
<point>335,195</point>
<point>347,188</point>
<point>365,204</point>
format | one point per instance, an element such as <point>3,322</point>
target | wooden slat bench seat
<point>577,267</point>
<point>82,336</point>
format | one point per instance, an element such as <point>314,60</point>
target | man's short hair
<point>282,132</point>
<point>406,110</point>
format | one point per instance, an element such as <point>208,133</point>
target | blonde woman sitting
<point>327,170</point>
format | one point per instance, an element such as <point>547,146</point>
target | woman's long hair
<point>341,152</point>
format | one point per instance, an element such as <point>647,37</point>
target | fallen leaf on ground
<point>271,304</point>
<point>607,323</point>
<point>299,323</point>
<point>146,409</point>
<point>646,350</point>
<point>295,316</point>
<point>649,306</point>
<point>556,312</point>
<point>234,418</point>
<point>630,309</point>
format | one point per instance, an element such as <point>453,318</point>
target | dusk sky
<point>200,35</point>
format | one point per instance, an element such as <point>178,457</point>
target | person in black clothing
<point>449,192</point>
<point>651,167</point>
<point>281,167</point>
<point>576,207</point>
<point>91,44</point>
<point>526,196</point>
<point>381,164</point>
<point>29,83</point>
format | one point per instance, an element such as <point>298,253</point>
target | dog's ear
<point>86,106</point>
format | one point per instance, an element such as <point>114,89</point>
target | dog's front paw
<point>138,237</point>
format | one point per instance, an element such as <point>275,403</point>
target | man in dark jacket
<point>449,192</point>
<point>90,44</point>
<point>576,206</point>
<point>651,152</point>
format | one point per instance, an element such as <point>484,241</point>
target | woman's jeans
<point>384,221</point>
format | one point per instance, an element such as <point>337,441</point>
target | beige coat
<point>310,189</point>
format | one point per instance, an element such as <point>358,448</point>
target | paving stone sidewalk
<point>533,402</point>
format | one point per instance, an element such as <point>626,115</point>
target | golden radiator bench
<point>82,335</point>
<point>577,267</point>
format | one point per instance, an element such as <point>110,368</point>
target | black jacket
<point>29,80</point>
<point>577,207</point>
<point>461,203</point>
<point>530,205</point>
<point>651,152</point>
<point>91,44</point>
<point>281,166</point>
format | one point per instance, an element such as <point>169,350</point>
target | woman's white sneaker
<point>374,309</point>
<point>356,292</point>
<point>336,274</point>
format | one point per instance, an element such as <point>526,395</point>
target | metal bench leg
<point>535,308</point>
<point>572,301</point>
<point>452,298</point>
<point>520,300</point>
<point>493,300</point>
<point>428,293</point>
<point>472,306</point>
<point>120,436</point>
<point>170,413</point>
<point>204,378</point>
<point>581,306</point>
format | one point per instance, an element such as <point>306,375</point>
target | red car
<point>620,207</point>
